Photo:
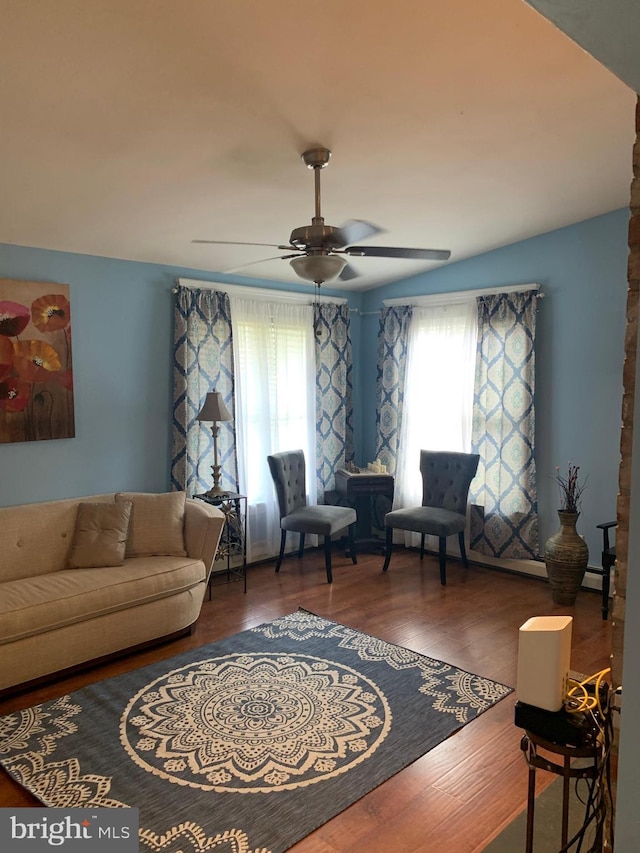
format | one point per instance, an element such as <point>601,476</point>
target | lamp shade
<point>214,408</point>
<point>318,267</point>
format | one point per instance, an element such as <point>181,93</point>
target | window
<point>257,347</point>
<point>438,399</point>
<point>275,403</point>
<point>461,395</point>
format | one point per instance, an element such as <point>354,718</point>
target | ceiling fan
<point>318,252</point>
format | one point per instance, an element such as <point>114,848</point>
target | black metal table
<point>233,542</point>
<point>531,744</point>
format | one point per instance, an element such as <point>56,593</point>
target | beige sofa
<point>87,577</point>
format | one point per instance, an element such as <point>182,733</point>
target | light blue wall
<point>122,315</point>
<point>122,349</point>
<point>582,271</point>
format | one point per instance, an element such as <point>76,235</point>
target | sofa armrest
<point>203,525</point>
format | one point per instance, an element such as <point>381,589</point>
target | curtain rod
<point>265,293</point>
<point>460,295</point>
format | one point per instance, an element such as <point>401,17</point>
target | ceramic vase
<point>566,556</point>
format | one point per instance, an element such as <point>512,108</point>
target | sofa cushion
<point>100,535</point>
<point>157,523</point>
<point>33,605</point>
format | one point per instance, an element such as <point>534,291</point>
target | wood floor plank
<point>458,796</point>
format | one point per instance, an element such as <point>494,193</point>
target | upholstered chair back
<point>446,477</point>
<point>288,472</point>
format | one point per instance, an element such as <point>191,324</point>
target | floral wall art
<point>36,375</point>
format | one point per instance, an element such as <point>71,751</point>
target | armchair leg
<point>283,539</point>
<point>301,546</point>
<point>422,546</point>
<point>352,544</point>
<point>442,553</point>
<point>327,558</point>
<point>388,548</point>
<point>463,553</point>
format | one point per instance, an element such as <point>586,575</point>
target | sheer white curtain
<point>273,348</point>
<point>438,399</point>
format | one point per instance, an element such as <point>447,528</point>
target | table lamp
<point>213,411</point>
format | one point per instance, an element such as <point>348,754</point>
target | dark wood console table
<point>360,491</point>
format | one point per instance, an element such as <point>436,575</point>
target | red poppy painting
<point>36,373</point>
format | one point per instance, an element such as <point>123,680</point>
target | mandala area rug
<point>248,744</point>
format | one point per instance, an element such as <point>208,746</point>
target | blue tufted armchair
<point>446,477</point>
<point>288,472</point>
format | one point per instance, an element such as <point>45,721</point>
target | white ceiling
<point>130,127</point>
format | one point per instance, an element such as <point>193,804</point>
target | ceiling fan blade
<point>261,261</point>
<point>398,252</point>
<point>348,273</point>
<point>236,243</point>
<point>355,230</point>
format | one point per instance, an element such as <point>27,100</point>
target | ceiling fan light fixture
<point>318,267</point>
<point>313,247</point>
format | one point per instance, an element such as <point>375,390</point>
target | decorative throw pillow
<point>157,524</point>
<point>100,535</point>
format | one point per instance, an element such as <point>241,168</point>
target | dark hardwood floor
<point>456,798</point>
